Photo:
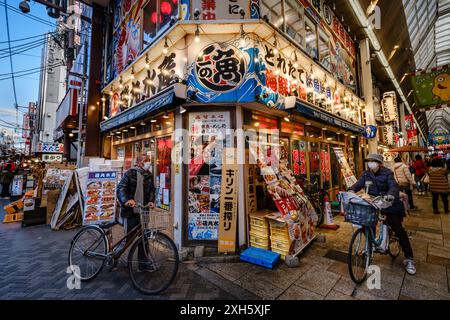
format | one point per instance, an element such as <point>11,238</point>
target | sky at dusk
<point>20,26</point>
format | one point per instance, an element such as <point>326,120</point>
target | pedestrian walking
<point>404,180</point>
<point>6,177</point>
<point>420,169</point>
<point>439,185</point>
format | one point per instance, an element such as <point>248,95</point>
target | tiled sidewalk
<point>323,272</point>
<point>33,265</point>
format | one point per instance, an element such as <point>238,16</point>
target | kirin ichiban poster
<point>100,199</point>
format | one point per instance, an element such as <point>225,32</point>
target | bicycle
<point>317,196</point>
<point>152,260</point>
<point>365,242</point>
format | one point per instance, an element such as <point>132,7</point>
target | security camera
<point>24,6</point>
<point>196,13</point>
<point>242,13</point>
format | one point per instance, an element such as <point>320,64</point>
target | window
<point>272,9</point>
<point>295,24</point>
<point>311,37</point>
<point>324,49</point>
<point>157,15</point>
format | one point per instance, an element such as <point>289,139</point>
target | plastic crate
<point>261,257</point>
<point>282,253</point>
<point>261,231</point>
<point>256,239</point>
<point>258,222</point>
<point>280,233</point>
<point>279,244</point>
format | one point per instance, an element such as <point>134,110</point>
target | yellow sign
<point>228,202</point>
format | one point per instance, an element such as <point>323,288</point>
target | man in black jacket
<point>380,181</point>
<point>136,187</point>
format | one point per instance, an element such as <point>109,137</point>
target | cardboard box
<point>52,198</point>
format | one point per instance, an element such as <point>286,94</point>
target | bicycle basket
<point>360,214</point>
<point>152,220</point>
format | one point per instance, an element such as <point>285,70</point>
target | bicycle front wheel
<point>153,263</point>
<point>359,255</point>
<point>87,253</point>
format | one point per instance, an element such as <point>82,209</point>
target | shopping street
<point>35,262</point>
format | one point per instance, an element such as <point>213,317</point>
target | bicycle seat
<point>108,225</point>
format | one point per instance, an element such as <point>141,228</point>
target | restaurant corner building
<point>206,66</point>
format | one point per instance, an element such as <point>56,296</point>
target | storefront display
<point>347,172</point>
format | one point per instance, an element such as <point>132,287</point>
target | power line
<point>28,38</point>
<point>31,72</point>
<point>10,57</point>
<point>26,70</point>
<point>28,15</point>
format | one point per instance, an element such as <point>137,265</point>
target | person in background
<point>6,177</point>
<point>404,180</point>
<point>136,187</point>
<point>439,185</point>
<point>379,181</point>
<point>420,169</point>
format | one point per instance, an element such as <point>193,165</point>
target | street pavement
<point>33,264</point>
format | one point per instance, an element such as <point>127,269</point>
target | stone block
<point>291,261</point>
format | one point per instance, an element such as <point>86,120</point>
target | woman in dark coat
<point>6,177</point>
<point>380,181</point>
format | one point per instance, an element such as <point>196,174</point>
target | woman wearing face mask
<point>135,187</point>
<point>379,181</point>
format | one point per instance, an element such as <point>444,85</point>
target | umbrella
<point>409,149</point>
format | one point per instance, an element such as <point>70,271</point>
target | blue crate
<point>261,257</point>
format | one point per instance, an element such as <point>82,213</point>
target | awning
<point>324,116</point>
<point>164,98</point>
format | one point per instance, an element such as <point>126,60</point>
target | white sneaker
<point>410,266</point>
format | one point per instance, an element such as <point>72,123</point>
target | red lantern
<point>166,8</point>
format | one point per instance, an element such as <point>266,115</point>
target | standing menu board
<point>100,198</point>
<point>347,172</point>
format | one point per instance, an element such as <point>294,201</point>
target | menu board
<point>347,172</point>
<point>207,140</point>
<point>55,178</point>
<point>100,199</point>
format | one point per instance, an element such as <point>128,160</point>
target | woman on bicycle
<point>379,181</point>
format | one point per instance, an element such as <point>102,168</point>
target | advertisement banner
<point>222,9</point>
<point>389,106</point>
<point>432,88</point>
<point>52,158</point>
<point>228,202</point>
<point>17,185</point>
<point>439,138</point>
<point>347,172</point>
<point>207,132</point>
<point>47,147</point>
<point>100,199</point>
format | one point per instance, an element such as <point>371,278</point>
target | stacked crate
<point>259,232</point>
<point>279,238</point>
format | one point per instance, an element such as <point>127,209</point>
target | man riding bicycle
<point>379,181</point>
